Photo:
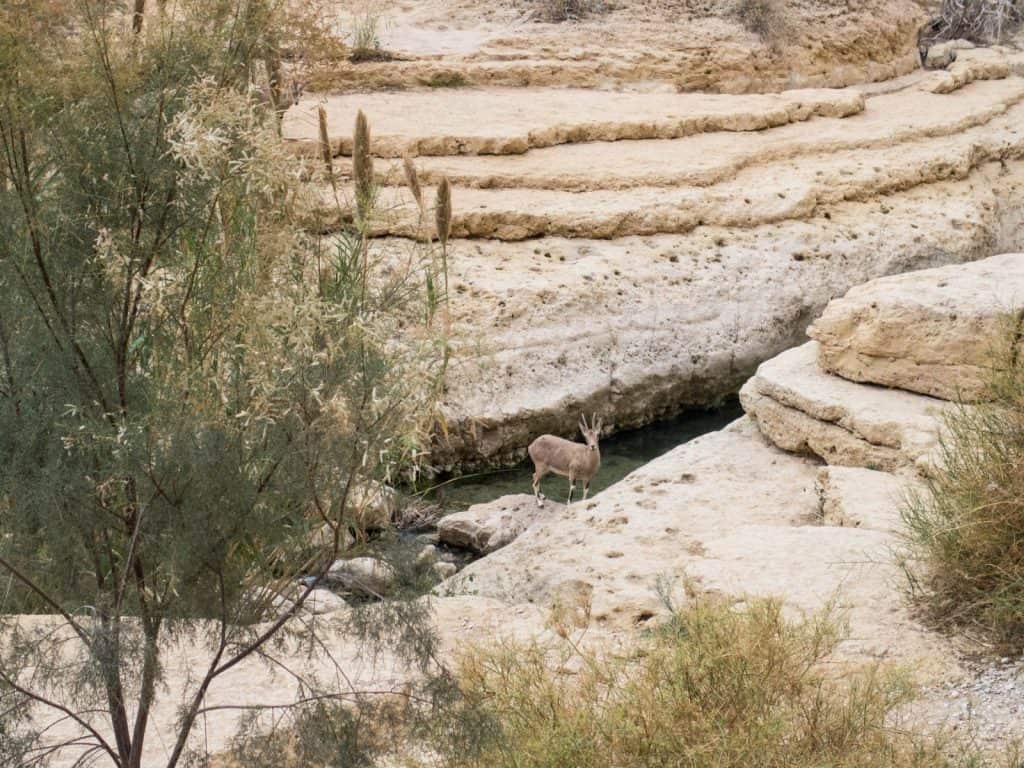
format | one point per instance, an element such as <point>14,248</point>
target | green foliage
<point>190,385</point>
<point>716,686</point>
<point>966,528</point>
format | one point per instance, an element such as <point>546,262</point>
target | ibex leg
<point>537,477</point>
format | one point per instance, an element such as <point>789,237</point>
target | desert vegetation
<point>980,21</point>
<point>716,685</point>
<point>967,566</point>
<point>192,385</point>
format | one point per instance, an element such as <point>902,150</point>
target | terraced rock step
<point>513,121</point>
<point>802,409</point>
<point>766,193</point>
<point>712,158</point>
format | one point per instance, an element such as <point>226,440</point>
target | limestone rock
<point>366,576</point>
<point>322,601</point>
<point>427,556</point>
<point>444,570</point>
<point>487,527</point>
<point>861,498</point>
<point>802,409</point>
<point>941,55</point>
<point>930,331</point>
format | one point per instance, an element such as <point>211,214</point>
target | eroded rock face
<point>930,331</point>
<point>484,528</point>
<point>802,409</point>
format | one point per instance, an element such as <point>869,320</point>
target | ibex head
<point>591,433</point>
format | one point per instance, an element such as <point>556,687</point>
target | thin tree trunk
<point>140,10</point>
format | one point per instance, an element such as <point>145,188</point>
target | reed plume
<point>443,211</point>
<point>362,168</point>
<point>443,220</point>
<point>325,143</point>
<point>412,180</point>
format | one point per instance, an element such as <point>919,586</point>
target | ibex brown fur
<point>575,461</point>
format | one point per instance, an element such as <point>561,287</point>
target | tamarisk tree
<point>189,385</point>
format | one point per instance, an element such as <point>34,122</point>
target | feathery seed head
<point>412,179</point>
<point>325,143</point>
<point>362,166</point>
<point>443,210</point>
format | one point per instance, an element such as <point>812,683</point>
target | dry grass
<point>716,687</point>
<point>967,527</point>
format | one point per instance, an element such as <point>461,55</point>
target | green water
<point>620,455</point>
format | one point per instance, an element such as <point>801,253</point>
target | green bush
<point>715,686</point>
<point>966,528</point>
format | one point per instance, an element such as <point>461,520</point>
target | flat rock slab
<point>489,121</point>
<point>484,528</point>
<point>931,331</point>
<point>802,409</point>
<point>853,497</point>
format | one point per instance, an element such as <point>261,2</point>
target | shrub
<point>713,687</point>
<point>567,10</point>
<point>364,39</point>
<point>981,21</point>
<point>966,528</point>
<point>765,18</point>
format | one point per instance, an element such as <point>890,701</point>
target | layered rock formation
<point>641,276</point>
<point>639,44</point>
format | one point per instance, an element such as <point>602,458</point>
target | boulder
<point>852,497</point>
<point>365,576</point>
<point>802,409</point>
<point>487,527</point>
<point>930,331</point>
<point>321,601</point>
<point>444,570</point>
<point>941,55</point>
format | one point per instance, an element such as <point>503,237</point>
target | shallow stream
<point>620,455</point>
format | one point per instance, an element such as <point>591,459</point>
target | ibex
<point>568,459</point>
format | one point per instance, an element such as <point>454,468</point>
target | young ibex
<point>568,459</point>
